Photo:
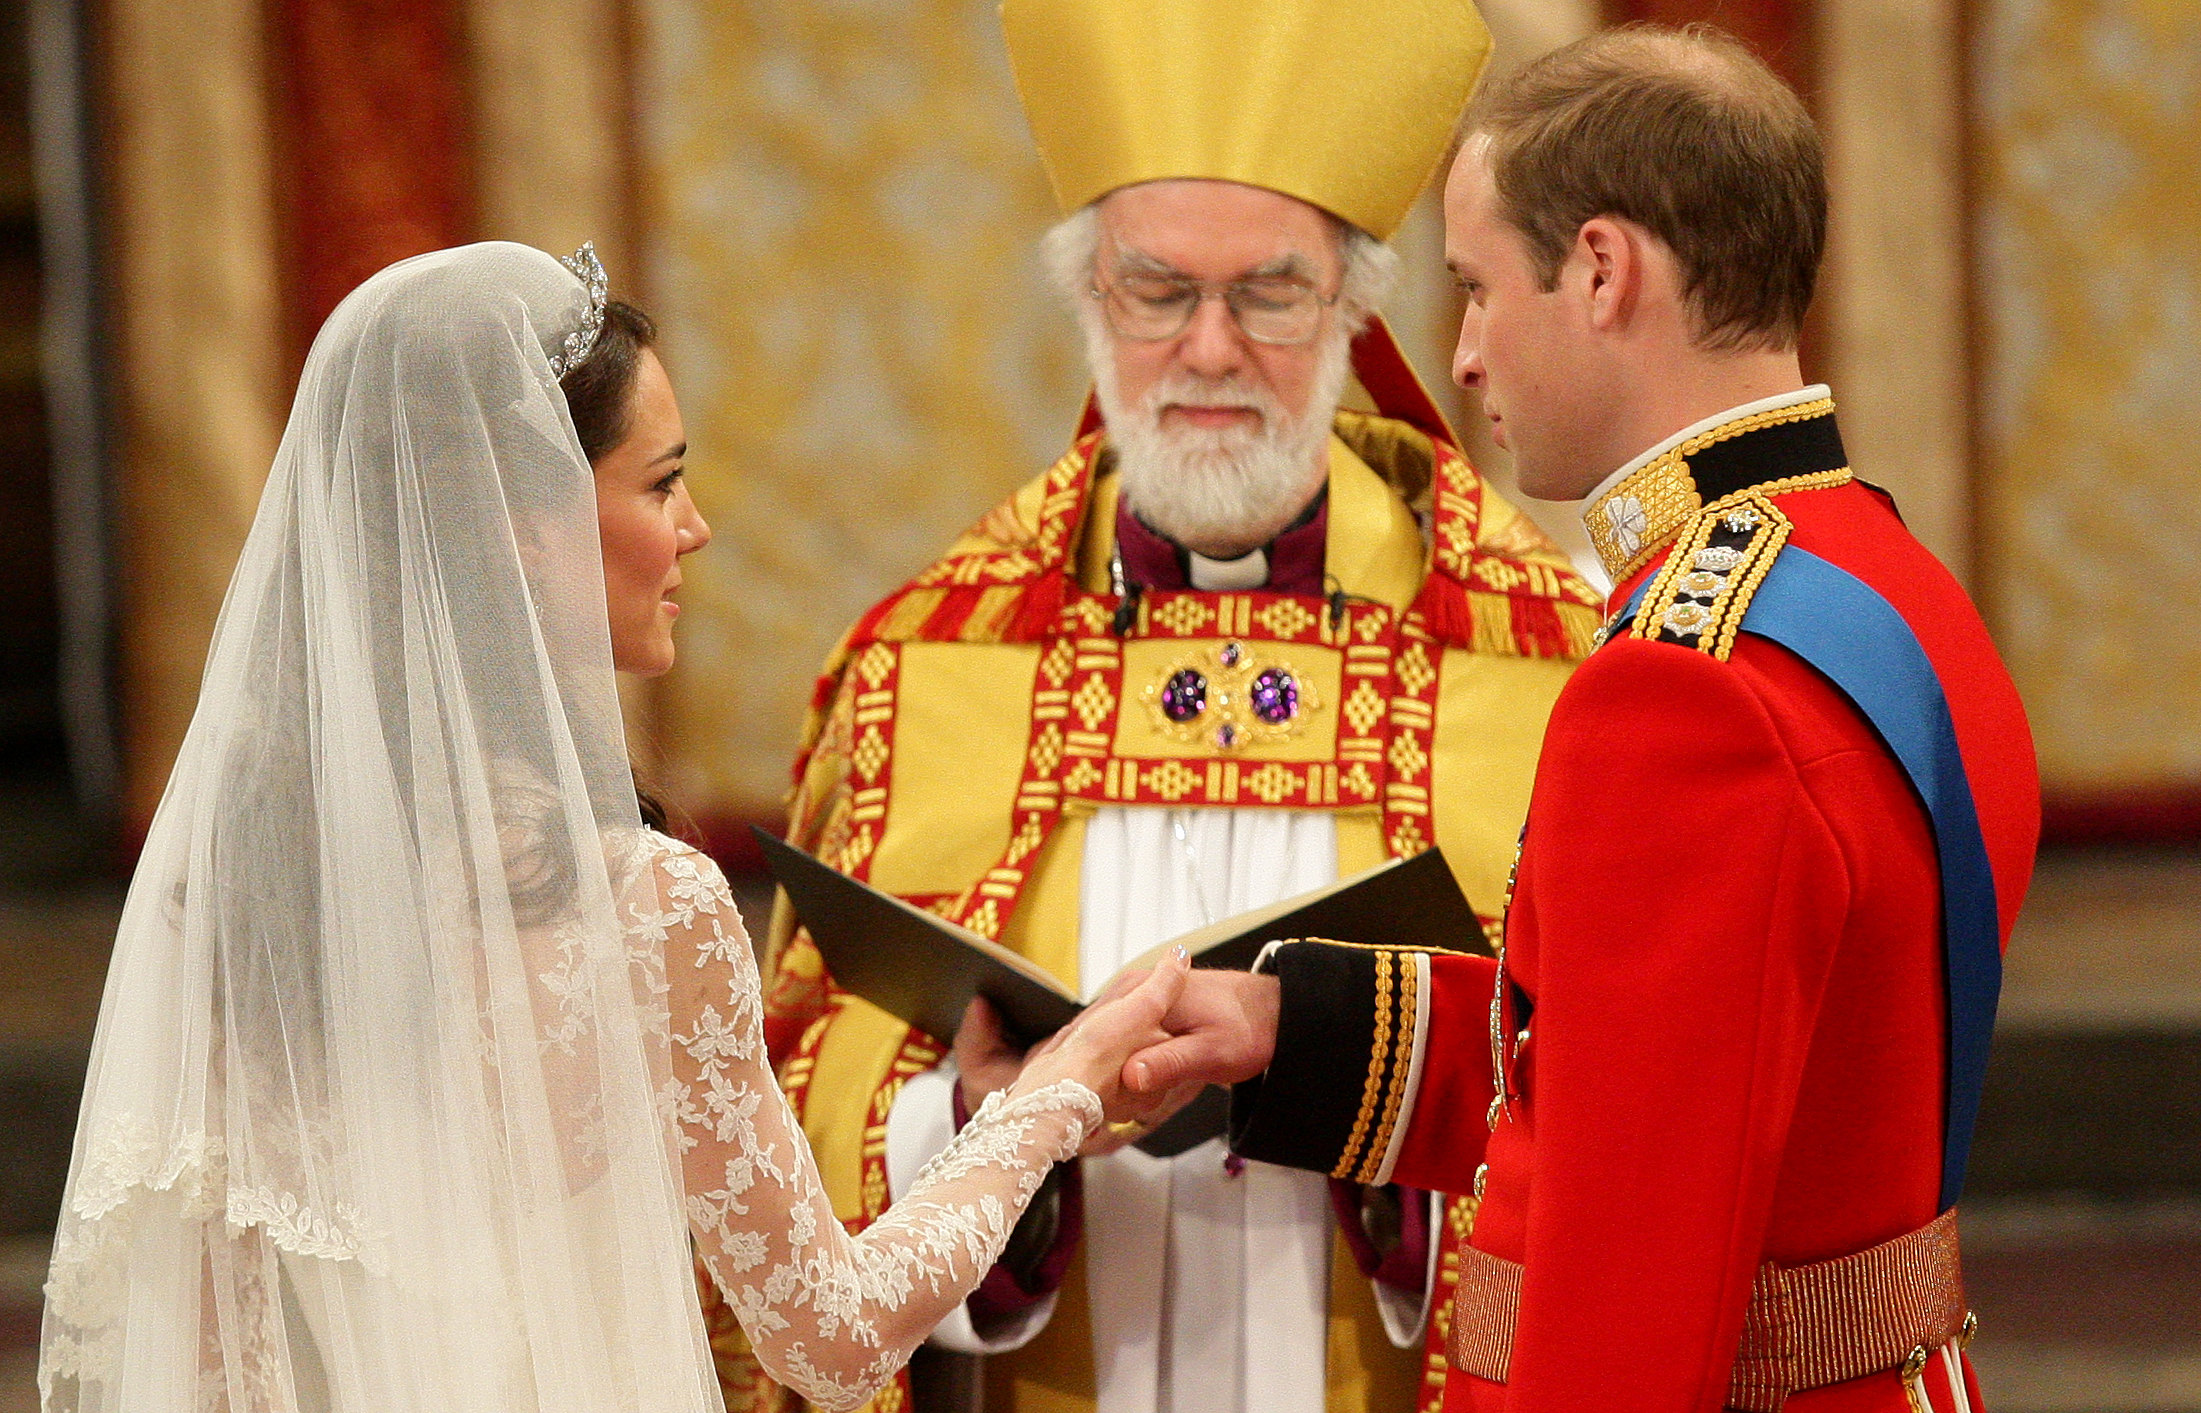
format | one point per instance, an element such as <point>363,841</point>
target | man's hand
<point>1131,1116</point>
<point>1094,1048</point>
<point>1222,1029</point>
<point>985,1059</point>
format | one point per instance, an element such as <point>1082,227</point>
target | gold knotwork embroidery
<point>1272,783</point>
<point>1172,780</point>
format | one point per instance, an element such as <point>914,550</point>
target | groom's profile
<point>1715,1096</point>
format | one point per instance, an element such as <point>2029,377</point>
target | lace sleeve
<point>831,1315</point>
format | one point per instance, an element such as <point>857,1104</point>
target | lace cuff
<point>1002,1126</point>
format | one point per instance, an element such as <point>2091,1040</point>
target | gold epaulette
<point>1699,597</point>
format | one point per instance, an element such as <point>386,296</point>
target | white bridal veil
<point>371,1119</point>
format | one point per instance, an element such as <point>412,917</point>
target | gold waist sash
<point>1877,1311</point>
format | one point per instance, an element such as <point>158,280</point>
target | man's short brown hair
<point>1687,134</point>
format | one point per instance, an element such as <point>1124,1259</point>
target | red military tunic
<point>1725,938</point>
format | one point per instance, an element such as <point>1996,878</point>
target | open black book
<point>923,969</point>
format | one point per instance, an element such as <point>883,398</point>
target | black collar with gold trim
<point>1780,449</point>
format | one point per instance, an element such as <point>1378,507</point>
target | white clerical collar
<point>1763,404</point>
<point>1248,571</point>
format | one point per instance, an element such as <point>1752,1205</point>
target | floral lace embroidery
<point>126,1160</point>
<point>830,1315</point>
<point>295,1227</point>
<point>125,1154</point>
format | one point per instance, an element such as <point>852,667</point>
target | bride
<point>423,1058</point>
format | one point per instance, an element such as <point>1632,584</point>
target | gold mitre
<point>1348,104</point>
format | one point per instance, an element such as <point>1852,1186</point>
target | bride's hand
<point>1094,1048</point>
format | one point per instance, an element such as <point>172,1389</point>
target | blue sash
<point>1855,639</point>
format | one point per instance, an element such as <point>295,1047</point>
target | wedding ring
<point>1128,1128</point>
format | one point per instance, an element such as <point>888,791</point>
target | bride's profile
<point>423,1056</point>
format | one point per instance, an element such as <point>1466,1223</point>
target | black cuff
<point>1344,1048</point>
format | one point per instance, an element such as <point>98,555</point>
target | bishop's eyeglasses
<point>1272,309</point>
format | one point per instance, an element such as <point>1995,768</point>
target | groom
<point>1716,1116</point>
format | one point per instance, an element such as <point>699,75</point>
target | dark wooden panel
<point>2108,1113</point>
<point>371,143</point>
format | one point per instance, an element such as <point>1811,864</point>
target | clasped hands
<point>1147,1045</point>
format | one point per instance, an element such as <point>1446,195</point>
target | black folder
<point>923,969</point>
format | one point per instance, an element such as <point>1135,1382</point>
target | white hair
<point>1218,487</point>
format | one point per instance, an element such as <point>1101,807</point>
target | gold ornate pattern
<point>1413,714</point>
<point>2087,135</point>
<point>1492,570</point>
<point>1705,587</point>
<point>1397,1001</point>
<point>878,672</point>
<point>1402,1064</point>
<point>1633,521</point>
<point>919,1053</point>
<point>1183,614</point>
<point>1383,752</point>
<point>1364,708</point>
<point>1010,579</point>
<point>1457,516</point>
<point>1075,695</point>
<point>1025,543</point>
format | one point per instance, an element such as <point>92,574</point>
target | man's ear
<point>1609,256</point>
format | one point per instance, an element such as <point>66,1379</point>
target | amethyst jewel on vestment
<point>1275,696</point>
<point>1184,696</point>
<point>1229,695</point>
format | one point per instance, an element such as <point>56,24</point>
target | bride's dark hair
<point>600,396</point>
<point>600,388</point>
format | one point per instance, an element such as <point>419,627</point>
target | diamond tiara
<point>590,271</point>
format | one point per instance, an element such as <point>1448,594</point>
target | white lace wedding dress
<point>377,1118</point>
<point>830,1315</point>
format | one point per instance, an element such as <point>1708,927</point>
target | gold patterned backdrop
<point>2088,143</point>
<point>840,203</point>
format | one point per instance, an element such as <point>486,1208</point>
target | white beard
<point>1218,486</point>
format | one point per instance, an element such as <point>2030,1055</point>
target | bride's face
<point>647,523</point>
